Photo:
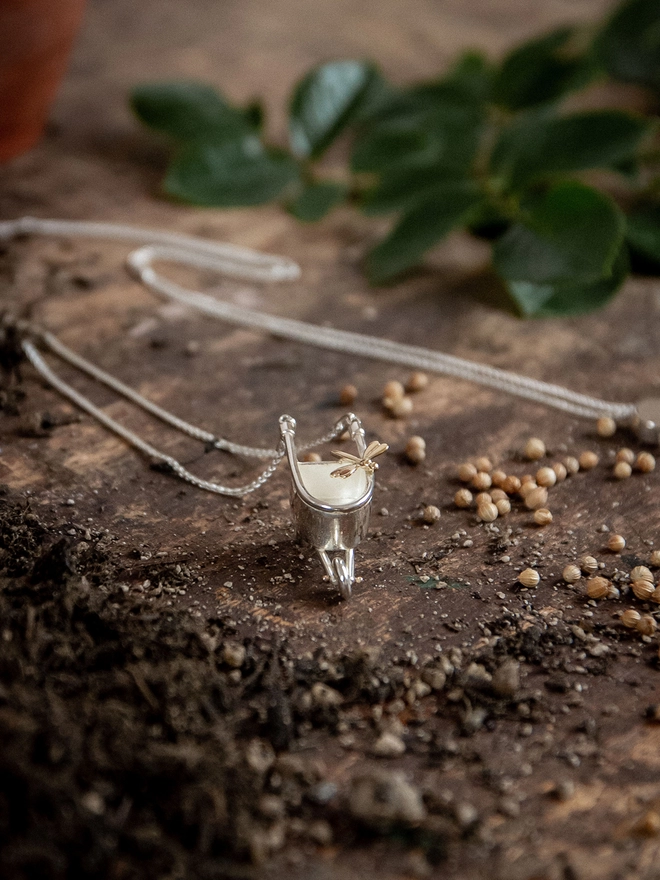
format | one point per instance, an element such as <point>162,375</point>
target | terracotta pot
<point>35,41</point>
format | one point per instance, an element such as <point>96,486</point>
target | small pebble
<point>606,426</point>
<point>534,449</point>
<point>388,745</point>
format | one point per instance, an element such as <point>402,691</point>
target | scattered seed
<point>417,381</point>
<point>466,472</point>
<point>560,471</point>
<point>415,450</point>
<point>511,485</point>
<point>399,408</point>
<point>483,498</point>
<point>616,543</point>
<point>597,587</point>
<point>630,618</point>
<point>393,390</point>
<point>347,395</point>
<point>534,449</point>
<point>655,557</point>
<point>498,477</point>
<point>481,481</point>
<point>645,462</point>
<point>503,506</point>
<point>643,589</point>
<point>613,592</point>
<point>529,577</point>
<point>655,596</point>
<point>311,456</point>
<point>571,574</point>
<point>641,573</point>
<point>431,514</point>
<point>463,498</point>
<point>542,516</point>
<point>622,470</point>
<point>589,565</point>
<point>527,487</point>
<point>588,460</point>
<point>572,465</point>
<point>497,494</point>
<point>487,512</point>
<point>606,426</point>
<point>536,498</point>
<point>646,625</point>
<point>546,476</point>
<point>484,464</point>
<point>527,478</point>
<point>625,454</point>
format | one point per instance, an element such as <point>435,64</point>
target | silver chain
<point>247,264</point>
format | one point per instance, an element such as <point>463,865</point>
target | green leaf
<point>643,232</point>
<point>559,300</point>
<point>324,103</point>
<point>403,188</point>
<point>230,175</point>
<point>540,70</point>
<point>570,234</point>
<point>472,75</point>
<point>388,145</point>
<point>421,228</point>
<point>538,144</point>
<point>317,199</point>
<point>629,44</point>
<point>190,111</point>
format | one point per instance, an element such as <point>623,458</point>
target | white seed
<point>589,565</point>
<point>511,485</point>
<point>630,618</point>
<point>542,516</point>
<point>621,470</point>
<point>625,454</point>
<point>481,481</point>
<point>641,573</point>
<point>417,381</point>
<point>347,395</point>
<point>536,498</point>
<point>616,543</point>
<point>597,587</point>
<point>534,449</point>
<point>527,487</point>
<point>484,464</point>
<point>498,477</point>
<point>487,512</point>
<point>645,462</point>
<point>431,514</point>
<point>571,574</point>
<point>393,390</point>
<point>546,476</point>
<point>498,494</point>
<point>415,450</point>
<point>643,589</point>
<point>588,460</point>
<point>463,498</point>
<point>646,625</point>
<point>560,471</point>
<point>466,472</point>
<point>482,498</point>
<point>529,577</point>
<point>503,506</point>
<point>572,465</point>
<point>606,426</point>
<point>399,408</point>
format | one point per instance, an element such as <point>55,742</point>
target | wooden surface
<point>96,163</point>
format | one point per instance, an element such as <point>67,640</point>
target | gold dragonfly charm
<point>352,462</point>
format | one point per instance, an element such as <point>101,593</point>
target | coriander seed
<point>572,465</point>
<point>487,512</point>
<point>621,470</point>
<point>498,477</point>
<point>655,557</point>
<point>560,471</point>
<point>503,506</point>
<point>606,426</point>
<point>616,543</point>
<point>641,573</point>
<point>646,625</point>
<point>399,408</point>
<point>431,514</point>
<point>484,464</point>
<point>417,381</point>
<point>311,456</point>
<point>534,449</point>
<point>526,488</point>
<point>347,395</point>
<point>546,476</point>
<point>588,460</point>
<point>393,390</point>
<point>481,481</point>
<point>482,498</point>
<point>597,587</point>
<point>497,494</point>
<point>511,485</point>
<point>643,589</point>
<point>626,455</point>
<point>655,596</point>
<point>415,450</point>
<point>630,618</point>
<point>536,498</point>
<point>542,516</point>
<point>466,472</point>
<point>589,565</point>
<point>463,498</point>
<point>529,577</point>
<point>571,574</point>
<point>645,462</point>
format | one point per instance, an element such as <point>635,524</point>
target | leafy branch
<point>490,148</point>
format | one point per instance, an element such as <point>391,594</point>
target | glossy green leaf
<point>570,234</point>
<point>324,103</point>
<point>643,232</point>
<point>230,175</point>
<point>389,145</point>
<point>191,111</point>
<point>539,144</point>
<point>629,44</point>
<point>540,70</point>
<point>421,228</point>
<point>559,300</point>
<point>472,75</point>
<point>406,187</point>
<point>317,199</point>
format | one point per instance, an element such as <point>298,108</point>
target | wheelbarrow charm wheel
<point>331,501</point>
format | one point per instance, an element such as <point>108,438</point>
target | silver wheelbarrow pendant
<point>331,501</point>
